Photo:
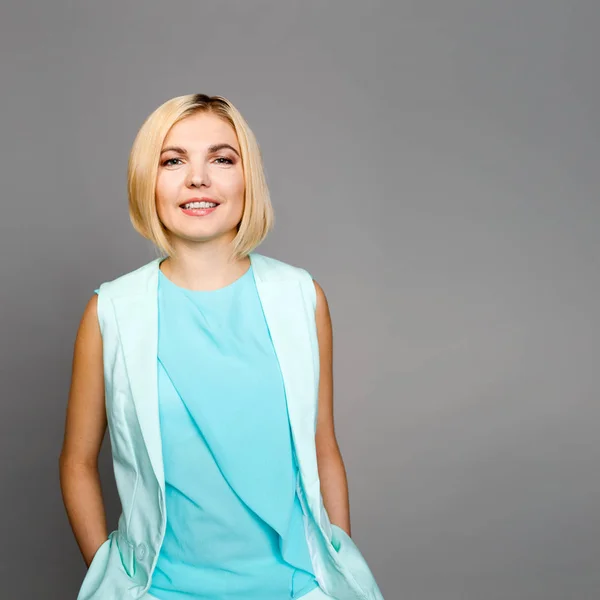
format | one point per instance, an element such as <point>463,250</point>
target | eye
<point>168,161</point>
<point>228,160</point>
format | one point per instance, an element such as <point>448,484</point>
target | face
<point>200,159</point>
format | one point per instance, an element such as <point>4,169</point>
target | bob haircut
<point>257,218</point>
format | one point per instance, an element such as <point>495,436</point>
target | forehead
<point>199,130</point>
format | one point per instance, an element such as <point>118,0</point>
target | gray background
<point>434,165</point>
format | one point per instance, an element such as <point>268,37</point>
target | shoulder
<point>312,290</point>
<point>268,268</point>
<point>130,282</point>
<point>321,299</point>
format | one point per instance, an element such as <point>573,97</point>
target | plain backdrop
<point>435,166</point>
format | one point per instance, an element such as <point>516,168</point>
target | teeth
<point>200,205</point>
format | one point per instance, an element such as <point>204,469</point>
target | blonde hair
<point>257,219</point>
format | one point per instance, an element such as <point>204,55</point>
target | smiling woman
<point>212,367</point>
<point>190,161</point>
<point>192,148</point>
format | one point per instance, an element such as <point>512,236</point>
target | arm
<point>332,473</point>
<point>84,430</point>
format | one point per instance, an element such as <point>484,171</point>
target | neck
<point>204,267</point>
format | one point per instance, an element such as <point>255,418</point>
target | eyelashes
<point>169,162</point>
<point>164,163</point>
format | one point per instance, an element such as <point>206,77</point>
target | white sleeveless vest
<point>128,315</point>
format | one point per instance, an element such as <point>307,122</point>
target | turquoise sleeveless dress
<point>235,528</point>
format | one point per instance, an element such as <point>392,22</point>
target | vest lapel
<point>136,310</point>
<point>282,304</point>
<point>136,313</point>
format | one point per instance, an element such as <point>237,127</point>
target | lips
<point>204,199</point>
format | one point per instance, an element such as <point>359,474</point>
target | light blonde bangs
<point>257,219</point>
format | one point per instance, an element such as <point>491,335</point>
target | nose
<point>197,175</point>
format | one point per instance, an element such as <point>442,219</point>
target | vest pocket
<point>127,553</point>
<point>351,558</point>
<point>96,570</point>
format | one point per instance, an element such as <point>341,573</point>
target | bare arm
<point>332,472</point>
<point>85,427</point>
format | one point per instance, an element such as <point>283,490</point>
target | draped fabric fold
<point>234,522</point>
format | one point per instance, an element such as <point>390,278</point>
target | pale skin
<point>202,263</point>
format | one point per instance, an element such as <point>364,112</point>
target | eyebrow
<point>211,149</point>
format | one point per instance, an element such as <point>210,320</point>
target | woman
<point>212,368</point>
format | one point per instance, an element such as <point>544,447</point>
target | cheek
<point>166,188</point>
<point>235,186</point>
<point>160,189</point>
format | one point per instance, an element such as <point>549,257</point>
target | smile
<point>199,209</point>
